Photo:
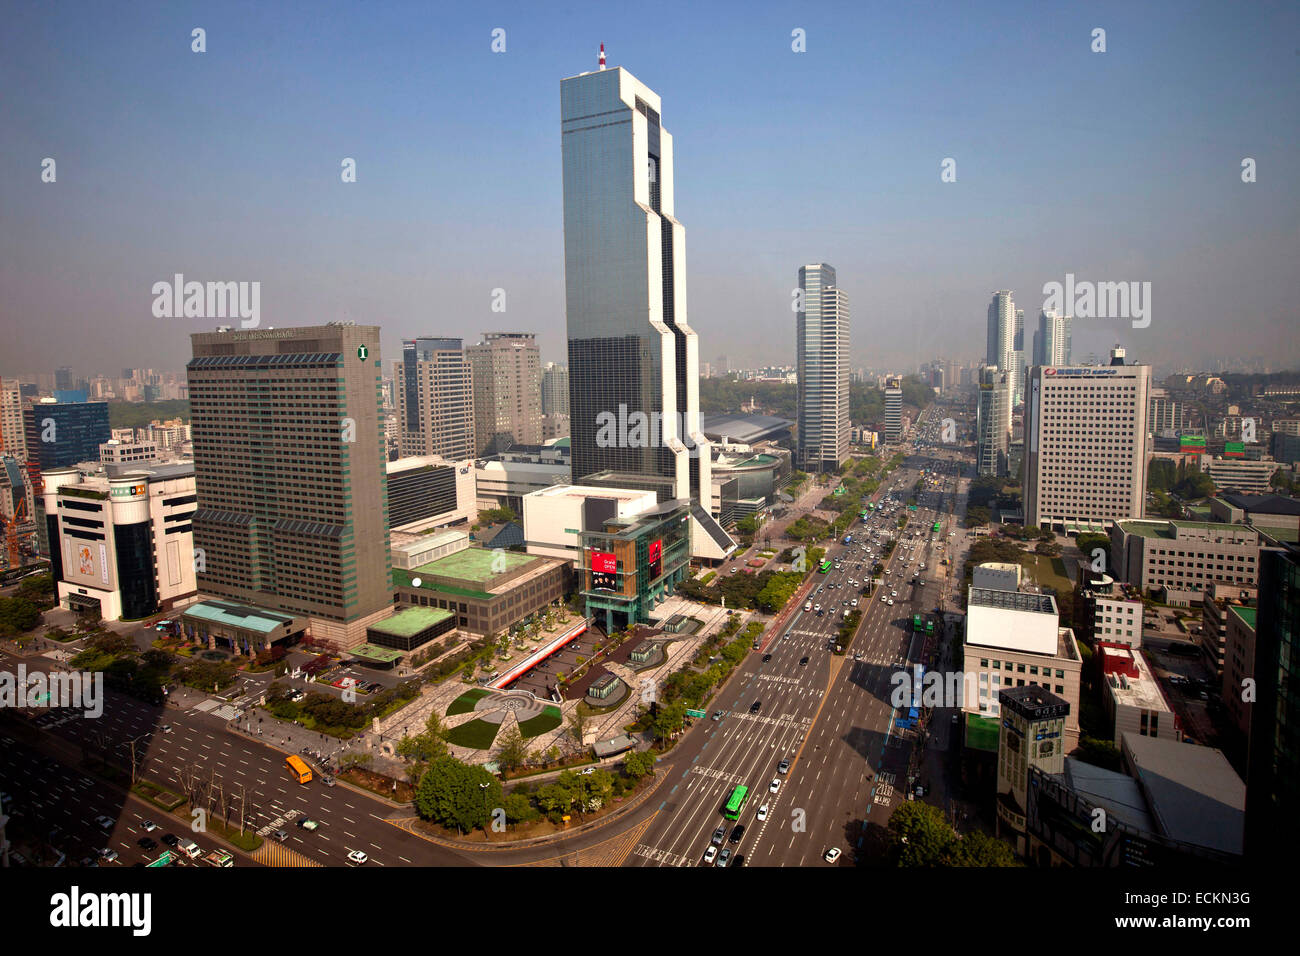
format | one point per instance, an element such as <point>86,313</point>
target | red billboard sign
<point>656,558</point>
<point>604,571</point>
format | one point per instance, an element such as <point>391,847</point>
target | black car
<point>766,658</point>
<point>755,707</point>
<point>170,839</point>
<point>739,861</point>
<point>803,662</point>
<point>147,843</point>
<point>737,832</point>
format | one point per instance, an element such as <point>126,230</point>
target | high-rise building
<point>1273,777</point>
<point>59,434</point>
<point>633,356</point>
<point>555,389</point>
<point>993,422</point>
<point>1001,340</point>
<point>1052,339</point>
<point>1086,443</point>
<point>289,465</point>
<point>435,407</point>
<point>13,439</point>
<point>1032,736</point>
<point>63,380</point>
<point>506,371</point>
<point>1018,359</point>
<point>893,409</point>
<point>822,349</point>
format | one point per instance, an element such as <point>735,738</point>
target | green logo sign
<point>362,352</point>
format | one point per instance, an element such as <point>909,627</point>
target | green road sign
<point>698,714</point>
<point>162,860</point>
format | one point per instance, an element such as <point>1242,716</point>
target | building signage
<point>1050,370</point>
<point>656,557</point>
<point>604,571</point>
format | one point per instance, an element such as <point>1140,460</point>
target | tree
<point>919,835</point>
<point>639,763</point>
<point>18,615</point>
<point>455,794</point>
<point>577,725</point>
<point>980,849</point>
<point>513,752</point>
<point>518,808</point>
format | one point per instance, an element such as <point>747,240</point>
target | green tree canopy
<point>455,794</point>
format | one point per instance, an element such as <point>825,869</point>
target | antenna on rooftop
<point>602,56</point>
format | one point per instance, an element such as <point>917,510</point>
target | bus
<point>916,623</point>
<point>300,771</point>
<point>825,566</point>
<point>929,627</point>
<point>863,514</point>
<point>935,529</point>
<point>735,802</point>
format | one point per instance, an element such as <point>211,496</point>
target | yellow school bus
<point>301,772</point>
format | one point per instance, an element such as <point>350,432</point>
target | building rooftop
<point>1117,792</point>
<point>237,615</point>
<point>475,565</point>
<point>747,429</point>
<point>1170,528</point>
<point>1262,504</point>
<point>373,652</point>
<point>411,621</point>
<point>1013,620</point>
<point>1193,793</point>
<point>1247,614</point>
<point>590,491</point>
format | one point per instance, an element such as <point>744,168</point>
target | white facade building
<point>554,518</point>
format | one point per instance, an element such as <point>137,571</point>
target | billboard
<point>1186,442</point>
<point>604,571</point>
<point>1234,449</point>
<point>656,558</point>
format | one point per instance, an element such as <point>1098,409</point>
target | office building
<point>632,564</point>
<point>1017,368</point>
<point>503,480</point>
<point>1014,640</point>
<point>555,389</point>
<point>1175,561</point>
<point>61,434</point>
<point>1239,474</point>
<point>633,356</point>
<point>123,539</point>
<point>1032,736</point>
<point>993,422</point>
<point>289,466</point>
<point>1217,604</point>
<point>13,437</point>
<point>114,452</point>
<point>1106,609</point>
<point>822,349</point>
<point>63,380</point>
<point>1134,701</point>
<point>1275,515</point>
<point>556,518</point>
<point>435,402</point>
<point>1086,444</point>
<point>893,409</point>
<point>426,492</point>
<point>1052,340</point>
<point>1273,781</point>
<point>506,372</point>
<point>1240,623</point>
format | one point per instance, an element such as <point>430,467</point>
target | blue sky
<point>1123,165</point>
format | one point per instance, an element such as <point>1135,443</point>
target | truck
<point>218,858</point>
<point>189,848</point>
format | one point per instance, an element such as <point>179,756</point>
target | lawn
<point>1048,572</point>
<point>544,722</point>
<point>466,701</point>
<point>477,734</point>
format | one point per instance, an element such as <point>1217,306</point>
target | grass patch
<point>160,797</point>
<point>708,577</point>
<point>1048,572</point>
<point>476,734</point>
<point>465,702</point>
<point>543,723</point>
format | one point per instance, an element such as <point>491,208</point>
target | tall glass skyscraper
<point>822,354</point>
<point>632,353</point>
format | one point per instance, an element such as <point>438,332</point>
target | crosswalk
<point>277,854</point>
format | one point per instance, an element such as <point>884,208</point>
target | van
<point>189,848</point>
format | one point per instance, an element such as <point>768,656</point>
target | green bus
<point>736,802</point>
<point>825,566</point>
<point>863,515</point>
<point>936,527</point>
<point>929,627</point>
<point>917,625</point>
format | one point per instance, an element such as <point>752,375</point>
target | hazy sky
<point>225,165</point>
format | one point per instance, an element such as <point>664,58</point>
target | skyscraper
<point>289,469</point>
<point>13,440</point>
<point>993,422</point>
<point>1018,359</point>
<point>822,352</point>
<point>435,408</point>
<point>59,434</point>
<point>1085,443</point>
<point>555,389</point>
<point>893,409</point>
<point>506,371</point>
<point>1052,339</point>
<point>1001,331</point>
<point>632,353</point>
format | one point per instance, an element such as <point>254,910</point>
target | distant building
<point>555,389</point>
<point>893,410</point>
<point>428,492</point>
<point>1178,560</point>
<point>503,480</point>
<point>993,423</point>
<point>1216,606</point>
<point>61,434</point>
<point>435,399</point>
<point>114,452</point>
<point>506,369</point>
<point>1240,474</point>
<point>1133,698</point>
<point>556,518</point>
<point>822,348</point>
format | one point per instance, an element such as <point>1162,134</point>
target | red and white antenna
<point>602,56</point>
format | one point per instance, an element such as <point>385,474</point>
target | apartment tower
<point>822,350</point>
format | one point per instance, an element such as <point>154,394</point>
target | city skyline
<point>491,216</point>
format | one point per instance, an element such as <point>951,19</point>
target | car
<point>147,843</point>
<point>281,836</point>
<point>105,822</point>
<point>774,786</point>
<point>891,602</point>
<point>357,857</point>
<point>108,855</point>
<point>740,860</point>
<point>803,662</point>
<point>766,658</point>
<point>737,832</point>
<point>710,854</point>
<point>148,826</point>
<point>755,707</point>
<point>724,857</point>
<point>166,728</point>
<point>783,766</point>
<point>328,781</point>
<point>308,824</point>
<point>884,598</point>
<point>170,839</point>
<point>717,715</point>
<point>817,607</point>
<point>853,603</point>
<point>586,771</point>
<point>719,836</point>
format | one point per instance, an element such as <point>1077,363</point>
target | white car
<point>148,826</point>
<point>710,854</point>
<point>832,854</point>
<point>774,786</point>
<point>891,602</point>
<point>884,599</point>
<point>357,857</point>
<point>762,812</point>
